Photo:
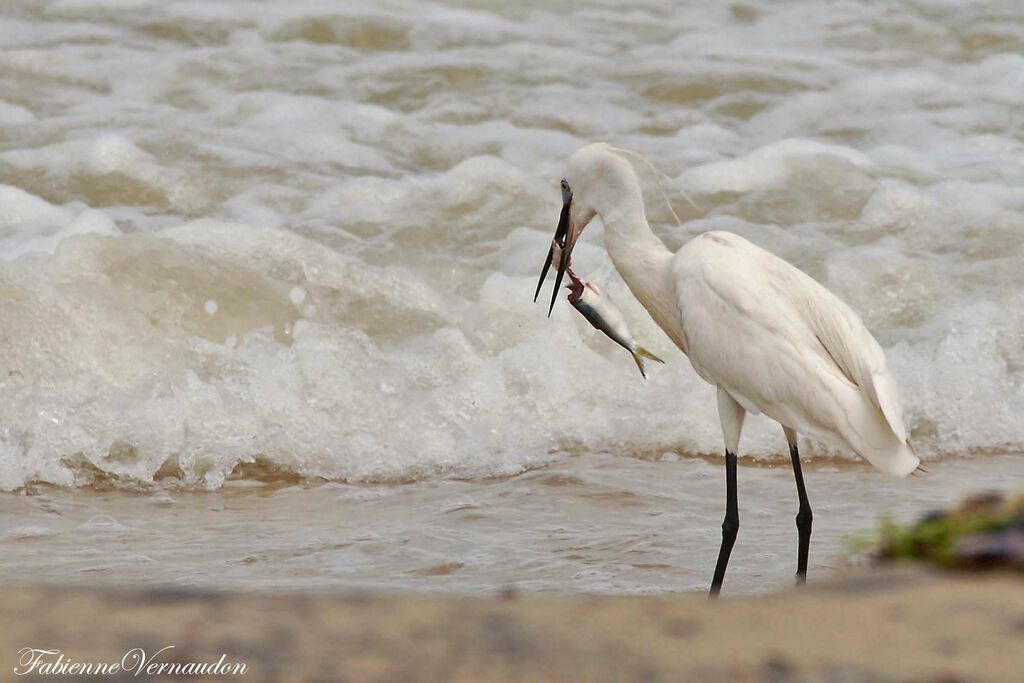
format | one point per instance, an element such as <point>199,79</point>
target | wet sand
<point>898,625</point>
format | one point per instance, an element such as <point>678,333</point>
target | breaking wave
<point>306,244</point>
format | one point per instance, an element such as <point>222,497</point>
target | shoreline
<point>595,524</point>
<point>881,624</point>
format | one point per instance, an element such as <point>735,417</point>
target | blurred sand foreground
<point>891,625</point>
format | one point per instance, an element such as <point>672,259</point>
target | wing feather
<point>783,316</point>
<point>850,346</point>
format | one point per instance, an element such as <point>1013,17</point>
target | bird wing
<point>849,345</point>
<point>759,327</point>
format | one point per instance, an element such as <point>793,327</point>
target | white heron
<point>769,337</point>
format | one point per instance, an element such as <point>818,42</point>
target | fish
<point>604,315</point>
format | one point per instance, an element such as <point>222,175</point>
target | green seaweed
<point>935,538</point>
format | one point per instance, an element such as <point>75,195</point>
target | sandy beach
<point>892,625</point>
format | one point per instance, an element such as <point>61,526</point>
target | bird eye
<point>565,184</point>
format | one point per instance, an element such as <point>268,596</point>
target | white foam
<point>769,167</point>
<point>13,114</point>
<point>30,532</point>
<point>306,240</point>
<point>29,224</point>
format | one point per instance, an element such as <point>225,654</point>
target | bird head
<point>597,181</point>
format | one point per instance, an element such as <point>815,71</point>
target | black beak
<point>560,237</point>
<point>562,265</point>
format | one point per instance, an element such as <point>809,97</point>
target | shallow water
<point>298,242</point>
<point>595,523</point>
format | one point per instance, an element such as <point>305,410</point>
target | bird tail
<point>866,430</point>
<point>639,356</point>
<point>899,460</point>
<point>920,469</point>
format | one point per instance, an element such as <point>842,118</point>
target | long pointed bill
<point>563,225</point>
<point>563,264</point>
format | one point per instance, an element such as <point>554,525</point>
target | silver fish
<point>606,317</point>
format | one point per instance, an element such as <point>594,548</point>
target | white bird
<point>769,337</point>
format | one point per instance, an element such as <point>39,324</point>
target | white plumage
<point>769,337</point>
<point>781,344</point>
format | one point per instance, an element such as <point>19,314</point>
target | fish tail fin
<point>640,363</point>
<point>647,354</point>
<point>639,356</point>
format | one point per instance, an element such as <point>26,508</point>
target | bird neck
<point>644,262</point>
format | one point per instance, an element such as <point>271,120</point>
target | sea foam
<point>304,242</point>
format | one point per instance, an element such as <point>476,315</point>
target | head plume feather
<point>658,175</point>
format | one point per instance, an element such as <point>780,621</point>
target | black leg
<point>730,526</point>
<point>803,518</point>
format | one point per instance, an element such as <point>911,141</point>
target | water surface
<point>596,523</point>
